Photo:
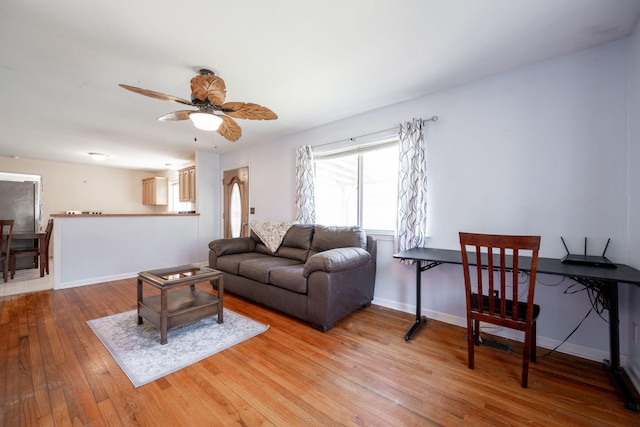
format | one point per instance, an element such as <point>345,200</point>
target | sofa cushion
<point>232,246</point>
<point>263,249</point>
<point>338,259</point>
<point>296,243</point>
<point>325,238</point>
<point>289,278</point>
<point>231,263</point>
<point>258,268</point>
<point>299,236</point>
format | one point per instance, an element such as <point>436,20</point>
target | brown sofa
<point>318,274</point>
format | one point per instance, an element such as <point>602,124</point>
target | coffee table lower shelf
<point>183,307</point>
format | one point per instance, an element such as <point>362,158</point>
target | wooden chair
<point>6,230</point>
<point>497,303</point>
<point>33,251</point>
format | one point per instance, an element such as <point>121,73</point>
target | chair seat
<point>42,251</point>
<point>522,307</point>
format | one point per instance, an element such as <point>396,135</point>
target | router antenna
<point>606,246</point>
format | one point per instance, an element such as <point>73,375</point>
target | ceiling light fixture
<point>205,121</point>
<point>172,166</point>
<point>98,156</point>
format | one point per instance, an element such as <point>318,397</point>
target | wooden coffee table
<point>179,307</point>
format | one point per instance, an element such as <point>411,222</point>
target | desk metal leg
<point>419,317</point>
<point>616,371</point>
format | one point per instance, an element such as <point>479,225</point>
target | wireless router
<point>591,260</point>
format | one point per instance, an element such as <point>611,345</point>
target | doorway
<point>21,201</point>
<point>235,184</point>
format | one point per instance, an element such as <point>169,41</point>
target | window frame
<point>352,148</point>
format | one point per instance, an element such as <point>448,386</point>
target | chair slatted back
<point>501,254</point>
<point>498,258</point>
<point>6,230</point>
<point>48,232</point>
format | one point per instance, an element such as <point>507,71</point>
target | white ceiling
<point>312,62</point>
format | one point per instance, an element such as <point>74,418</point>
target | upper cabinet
<point>155,191</point>
<point>187,184</point>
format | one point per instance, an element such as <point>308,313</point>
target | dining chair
<point>493,295</point>
<point>6,230</point>
<point>33,251</point>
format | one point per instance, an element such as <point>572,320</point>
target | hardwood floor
<point>55,371</point>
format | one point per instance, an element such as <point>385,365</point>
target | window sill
<point>381,235</point>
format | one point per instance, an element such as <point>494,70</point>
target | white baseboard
<point>633,371</point>
<point>544,342</point>
<point>102,279</point>
<point>95,280</point>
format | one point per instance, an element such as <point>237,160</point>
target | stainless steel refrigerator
<point>20,201</point>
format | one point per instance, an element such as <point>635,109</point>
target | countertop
<point>62,215</point>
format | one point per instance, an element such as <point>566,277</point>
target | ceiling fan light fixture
<point>98,156</point>
<point>205,121</point>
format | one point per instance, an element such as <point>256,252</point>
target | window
<point>358,186</point>
<point>175,205</point>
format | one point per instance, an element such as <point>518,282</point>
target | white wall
<point>634,198</point>
<point>68,186</point>
<point>208,200</point>
<point>99,249</point>
<point>542,149</point>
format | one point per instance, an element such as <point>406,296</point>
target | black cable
<point>597,297</point>
<point>569,336</point>
<point>550,285</point>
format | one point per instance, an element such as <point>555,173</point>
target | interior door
<point>236,202</point>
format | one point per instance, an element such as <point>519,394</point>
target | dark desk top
<point>623,273</point>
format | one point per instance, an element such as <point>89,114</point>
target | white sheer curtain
<point>305,199</point>
<point>412,186</point>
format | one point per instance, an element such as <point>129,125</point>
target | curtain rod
<point>431,119</point>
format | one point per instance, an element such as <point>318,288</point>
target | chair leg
<point>526,354</point>
<point>476,335</point>
<point>12,263</point>
<point>470,342</point>
<point>533,342</point>
<point>525,371</point>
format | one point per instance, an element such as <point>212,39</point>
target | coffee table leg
<point>163,316</point>
<point>220,298</point>
<point>139,300</point>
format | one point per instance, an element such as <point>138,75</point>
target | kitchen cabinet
<point>155,191</point>
<point>187,184</point>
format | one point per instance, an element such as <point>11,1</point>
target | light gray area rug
<point>137,348</point>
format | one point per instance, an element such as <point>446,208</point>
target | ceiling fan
<point>208,93</point>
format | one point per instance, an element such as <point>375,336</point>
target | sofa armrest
<point>230,246</point>
<point>334,260</point>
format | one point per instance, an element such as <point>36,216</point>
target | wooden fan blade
<point>156,95</point>
<point>247,110</point>
<point>229,129</point>
<point>209,87</point>
<point>176,115</point>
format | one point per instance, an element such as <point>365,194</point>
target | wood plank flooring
<point>55,372</point>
